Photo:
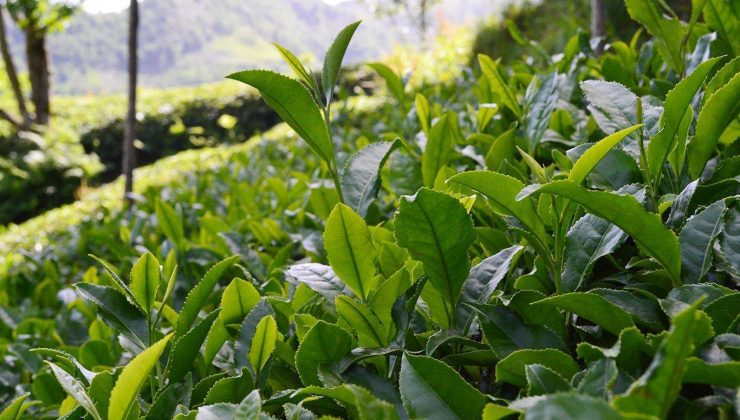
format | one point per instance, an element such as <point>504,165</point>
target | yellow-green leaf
<point>124,393</point>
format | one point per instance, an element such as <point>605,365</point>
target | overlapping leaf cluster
<point>537,243</point>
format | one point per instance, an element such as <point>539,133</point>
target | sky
<point>106,6</point>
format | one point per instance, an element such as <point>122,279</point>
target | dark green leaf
<point>501,191</point>
<point>542,380</point>
<point>716,114</point>
<point>295,105</point>
<point>324,345</point>
<point>334,57</point>
<point>187,347</point>
<point>436,230</point>
<point>592,307</point>
<point>169,397</point>
<point>655,391</point>
<point>506,332</point>
<point>725,374</point>
<point>571,406</point>
<point>676,103</point>
<point>697,241</point>
<point>430,389</point>
<point>625,211</point>
<point>117,311</point>
<point>361,175</point>
<point>350,250</point>
<point>199,294</point>
<point>512,368</point>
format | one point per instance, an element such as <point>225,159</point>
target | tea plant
<point>554,242</point>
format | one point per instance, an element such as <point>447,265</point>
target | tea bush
<point>554,242</point>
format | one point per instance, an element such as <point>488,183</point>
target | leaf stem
<point>651,186</point>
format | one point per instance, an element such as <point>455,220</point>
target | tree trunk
<point>423,24</point>
<point>130,129</point>
<point>10,69</point>
<point>38,73</point>
<point>598,24</point>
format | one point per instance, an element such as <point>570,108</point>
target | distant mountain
<point>187,42</point>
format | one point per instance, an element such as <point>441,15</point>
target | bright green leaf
<point>334,57</point>
<point>295,105</point>
<point>131,379</point>
<point>263,342</point>
<point>145,281</point>
<point>350,250</point>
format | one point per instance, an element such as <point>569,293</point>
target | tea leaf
<point>437,230</point>
<point>676,103</point>
<point>132,377</point>
<point>716,114</point>
<point>668,32</point>
<point>297,67</point>
<point>588,161</point>
<point>117,311</point>
<point>395,84</point>
<point>187,347</point>
<point>512,368</point>
<point>499,85</point>
<point>199,294</point>
<point>592,307</point>
<point>571,406</point>
<point>612,105</point>
<point>439,148</point>
<point>324,345</point>
<point>542,380</point>
<point>430,389</point>
<point>75,389</point>
<point>16,408</point>
<point>145,281</point>
<point>320,278</point>
<point>350,250</point>
<point>238,299</point>
<point>334,57</point>
<point>655,391</point>
<point>361,175</point>
<point>501,191</point>
<point>171,224</point>
<point>263,343</point>
<point>697,240</point>
<point>295,105</point>
<point>625,211</point>
<point>365,323</point>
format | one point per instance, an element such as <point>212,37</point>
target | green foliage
<point>552,262</point>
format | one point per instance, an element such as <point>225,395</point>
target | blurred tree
<point>598,24</point>
<point>10,69</point>
<point>37,18</point>
<point>130,129</point>
<point>416,10</point>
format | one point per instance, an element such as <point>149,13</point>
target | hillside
<point>189,42</point>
